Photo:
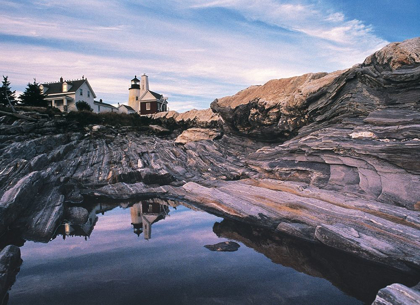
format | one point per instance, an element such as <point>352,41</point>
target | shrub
<point>85,118</point>
<point>83,106</point>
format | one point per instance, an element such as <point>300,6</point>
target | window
<point>88,93</point>
<point>81,91</point>
<point>147,106</point>
<point>137,98</point>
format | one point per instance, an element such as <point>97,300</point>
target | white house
<point>125,109</point>
<point>143,100</point>
<point>64,94</point>
<point>103,107</point>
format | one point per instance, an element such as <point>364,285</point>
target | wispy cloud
<point>192,50</point>
<point>310,19</point>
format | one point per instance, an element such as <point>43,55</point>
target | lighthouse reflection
<point>144,214</point>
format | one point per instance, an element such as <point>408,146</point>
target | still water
<point>154,254</point>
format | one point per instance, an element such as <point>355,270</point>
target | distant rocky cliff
<point>332,159</point>
<point>386,84</point>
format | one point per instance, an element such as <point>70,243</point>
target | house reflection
<point>146,213</point>
<point>143,215</point>
<point>73,227</point>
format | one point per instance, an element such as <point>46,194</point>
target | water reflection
<point>144,214</point>
<point>189,271</point>
<point>350,274</point>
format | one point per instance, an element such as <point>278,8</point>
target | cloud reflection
<point>115,266</point>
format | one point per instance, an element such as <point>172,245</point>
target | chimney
<point>144,84</point>
<point>61,79</point>
<point>64,86</point>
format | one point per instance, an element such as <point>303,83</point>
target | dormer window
<point>65,87</point>
<point>81,91</point>
<point>41,88</point>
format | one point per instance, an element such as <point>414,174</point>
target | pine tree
<point>6,92</point>
<point>83,106</point>
<point>33,96</point>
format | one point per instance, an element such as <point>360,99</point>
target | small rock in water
<point>226,246</point>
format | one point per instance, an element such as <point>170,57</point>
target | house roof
<point>57,87</point>
<point>126,106</point>
<point>156,95</point>
<point>104,104</point>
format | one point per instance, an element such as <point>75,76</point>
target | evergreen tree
<point>6,92</point>
<point>33,96</point>
<point>83,106</point>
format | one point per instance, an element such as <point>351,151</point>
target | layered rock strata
<point>10,262</point>
<point>397,294</point>
<point>339,165</point>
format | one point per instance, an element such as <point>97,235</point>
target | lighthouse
<point>134,94</point>
<point>142,99</point>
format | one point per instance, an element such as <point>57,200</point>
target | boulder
<point>275,109</point>
<point>396,55</point>
<point>17,199</point>
<point>198,134</point>
<point>397,294</point>
<point>10,262</point>
<point>226,246</point>
<point>159,129</point>
<point>45,216</point>
<point>204,118</point>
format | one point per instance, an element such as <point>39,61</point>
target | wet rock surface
<point>10,262</point>
<point>328,158</point>
<point>397,294</point>
<point>226,246</point>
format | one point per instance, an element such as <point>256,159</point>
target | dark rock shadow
<point>353,276</point>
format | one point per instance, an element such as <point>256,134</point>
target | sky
<point>193,51</point>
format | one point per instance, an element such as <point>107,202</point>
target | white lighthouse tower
<point>134,94</point>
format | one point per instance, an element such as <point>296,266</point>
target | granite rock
<point>10,262</point>
<point>197,134</point>
<point>328,158</point>
<point>225,246</point>
<point>397,294</point>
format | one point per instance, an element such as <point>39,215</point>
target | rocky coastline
<point>328,158</point>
